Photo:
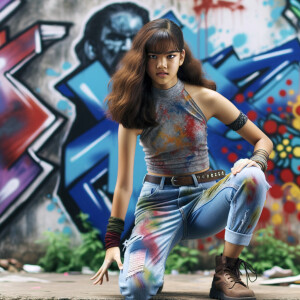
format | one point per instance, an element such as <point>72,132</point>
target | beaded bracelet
<point>260,156</point>
<point>114,230</point>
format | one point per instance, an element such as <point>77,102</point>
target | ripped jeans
<point>165,215</point>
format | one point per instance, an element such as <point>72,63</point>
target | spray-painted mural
<point>256,68</point>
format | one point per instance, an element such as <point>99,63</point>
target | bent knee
<point>252,177</point>
<point>140,285</point>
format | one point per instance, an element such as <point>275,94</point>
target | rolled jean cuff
<point>237,238</point>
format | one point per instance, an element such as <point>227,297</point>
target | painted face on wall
<point>117,35</point>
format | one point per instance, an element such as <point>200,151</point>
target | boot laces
<point>234,271</point>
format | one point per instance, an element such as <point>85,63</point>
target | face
<point>117,35</point>
<point>162,68</point>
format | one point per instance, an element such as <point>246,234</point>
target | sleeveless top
<point>178,145</point>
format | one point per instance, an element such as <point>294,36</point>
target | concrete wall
<point>58,152</point>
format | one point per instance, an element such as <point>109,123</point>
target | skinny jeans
<point>166,215</point>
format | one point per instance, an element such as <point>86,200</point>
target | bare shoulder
<point>204,97</point>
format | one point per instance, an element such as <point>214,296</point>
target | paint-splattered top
<point>178,145</point>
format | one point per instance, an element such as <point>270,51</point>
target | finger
<point>101,272</point>
<point>106,275</point>
<point>254,163</point>
<point>240,167</point>
<point>99,279</point>
<point>98,272</point>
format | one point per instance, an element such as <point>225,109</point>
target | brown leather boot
<point>227,283</point>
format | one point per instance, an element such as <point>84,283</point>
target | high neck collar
<point>175,89</point>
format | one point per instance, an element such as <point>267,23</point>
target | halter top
<point>178,145</point>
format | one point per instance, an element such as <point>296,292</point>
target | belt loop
<point>195,180</point>
<point>144,178</point>
<point>162,183</point>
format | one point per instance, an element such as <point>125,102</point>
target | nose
<point>127,44</point>
<point>161,63</point>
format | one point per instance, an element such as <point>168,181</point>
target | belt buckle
<point>172,181</point>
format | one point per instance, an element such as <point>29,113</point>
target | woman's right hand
<point>112,254</point>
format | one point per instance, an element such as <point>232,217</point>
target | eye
<point>170,56</point>
<point>152,56</point>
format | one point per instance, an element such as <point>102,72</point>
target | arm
<point>226,112</point>
<point>126,148</point>
<point>126,151</point>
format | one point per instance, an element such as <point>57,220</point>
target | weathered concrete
<point>63,287</point>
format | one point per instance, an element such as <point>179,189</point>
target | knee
<point>253,178</point>
<point>253,184</point>
<point>140,285</point>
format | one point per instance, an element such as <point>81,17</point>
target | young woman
<point>159,92</point>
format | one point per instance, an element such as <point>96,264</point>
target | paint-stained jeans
<point>165,215</point>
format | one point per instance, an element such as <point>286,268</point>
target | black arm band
<point>239,122</point>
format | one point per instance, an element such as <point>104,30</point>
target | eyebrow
<point>172,51</point>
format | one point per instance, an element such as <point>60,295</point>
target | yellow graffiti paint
<point>296,151</point>
<point>283,155</point>
<point>291,92</point>
<point>279,147</point>
<point>277,219</point>
<point>293,190</point>
<point>275,206</point>
<point>272,155</point>
<point>296,124</point>
<point>288,149</point>
<point>285,142</point>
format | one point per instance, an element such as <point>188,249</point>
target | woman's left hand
<point>241,164</point>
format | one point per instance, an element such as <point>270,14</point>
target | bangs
<point>162,42</point>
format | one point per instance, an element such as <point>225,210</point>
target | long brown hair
<point>129,101</point>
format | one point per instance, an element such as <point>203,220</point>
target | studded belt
<point>187,179</point>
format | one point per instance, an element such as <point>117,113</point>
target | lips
<point>162,74</point>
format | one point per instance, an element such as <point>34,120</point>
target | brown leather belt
<point>187,179</point>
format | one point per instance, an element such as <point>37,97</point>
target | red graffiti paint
<point>203,6</point>
<point>286,175</point>
<point>276,191</point>
<point>270,165</point>
<point>289,82</point>
<point>250,94</point>
<point>239,98</point>
<point>289,207</point>
<point>252,115</point>
<point>282,93</point>
<point>265,215</point>
<point>221,235</point>
<point>25,118</point>
<point>282,129</point>
<point>232,157</point>
<point>270,126</point>
<point>224,150</point>
<point>3,37</point>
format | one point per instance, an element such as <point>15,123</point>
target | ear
<point>182,56</point>
<point>89,50</point>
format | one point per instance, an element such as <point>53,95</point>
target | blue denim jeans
<point>165,215</point>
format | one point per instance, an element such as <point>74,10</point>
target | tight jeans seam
<point>196,202</point>
<point>169,246</point>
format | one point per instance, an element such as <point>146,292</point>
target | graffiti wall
<point>58,151</point>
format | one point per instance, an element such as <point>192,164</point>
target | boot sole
<point>221,296</point>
